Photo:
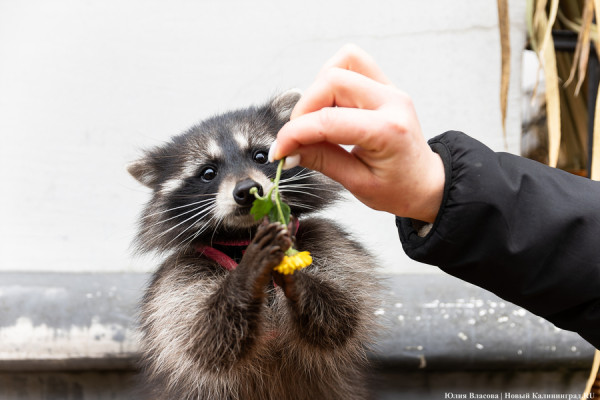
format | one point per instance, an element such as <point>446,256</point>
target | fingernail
<point>271,155</point>
<point>291,161</point>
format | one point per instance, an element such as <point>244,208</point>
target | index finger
<point>345,126</point>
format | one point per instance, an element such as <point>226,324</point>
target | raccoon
<point>216,321</point>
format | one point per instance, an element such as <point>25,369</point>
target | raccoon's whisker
<point>178,215</point>
<point>221,219</point>
<point>301,184</point>
<point>204,211</point>
<point>300,191</point>
<point>300,175</point>
<point>296,204</point>
<point>175,208</point>
<point>204,227</point>
<point>199,215</point>
<point>302,171</point>
<point>319,186</point>
<point>300,205</point>
<point>186,229</point>
<point>192,196</point>
<point>302,181</point>
<point>194,235</point>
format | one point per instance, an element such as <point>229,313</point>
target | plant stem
<point>276,186</point>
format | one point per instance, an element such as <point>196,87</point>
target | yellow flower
<point>294,261</point>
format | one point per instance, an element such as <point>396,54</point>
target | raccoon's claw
<point>274,234</point>
<point>264,253</point>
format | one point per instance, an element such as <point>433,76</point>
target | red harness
<point>218,256</point>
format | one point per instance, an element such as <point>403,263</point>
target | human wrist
<point>430,201</point>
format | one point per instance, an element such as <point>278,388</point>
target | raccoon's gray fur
<point>210,333</point>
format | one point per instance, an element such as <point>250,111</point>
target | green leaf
<point>274,213</point>
<point>276,210</point>
<point>261,207</point>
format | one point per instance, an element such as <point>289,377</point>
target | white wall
<point>85,84</point>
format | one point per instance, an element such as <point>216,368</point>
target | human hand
<point>391,167</point>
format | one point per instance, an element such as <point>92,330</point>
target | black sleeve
<point>525,231</point>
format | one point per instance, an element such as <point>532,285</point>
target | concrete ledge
<point>61,322</point>
<point>438,322</point>
<point>57,321</point>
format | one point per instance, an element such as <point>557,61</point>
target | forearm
<point>524,231</point>
<point>330,309</point>
<point>203,320</point>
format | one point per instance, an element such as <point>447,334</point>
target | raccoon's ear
<point>283,104</point>
<point>143,171</point>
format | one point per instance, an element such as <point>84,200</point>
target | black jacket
<point>525,231</point>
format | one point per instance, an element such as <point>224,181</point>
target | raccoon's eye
<point>260,157</point>
<point>208,174</point>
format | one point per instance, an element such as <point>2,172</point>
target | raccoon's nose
<point>241,192</point>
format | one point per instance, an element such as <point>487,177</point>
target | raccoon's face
<point>201,180</point>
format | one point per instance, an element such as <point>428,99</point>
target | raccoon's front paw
<point>265,252</point>
<point>289,284</point>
